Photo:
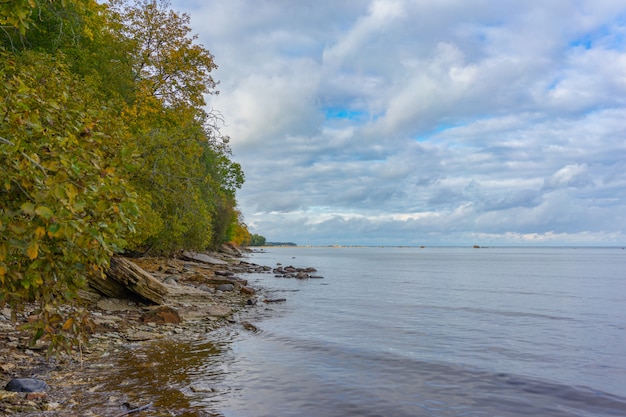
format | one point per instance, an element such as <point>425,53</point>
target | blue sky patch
<point>346,114</point>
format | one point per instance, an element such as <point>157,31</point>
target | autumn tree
<point>64,210</point>
<point>105,147</point>
<point>185,171</point>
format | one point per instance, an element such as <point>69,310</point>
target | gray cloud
<point>420,122</point>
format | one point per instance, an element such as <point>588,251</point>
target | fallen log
<point>125,278</point>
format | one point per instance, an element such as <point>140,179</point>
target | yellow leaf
<point>70,191</point>
<point>40,232</point>
<point>3,252</point>
<point>33,250</point>
<point>3,271</point>
<point>68,324</point>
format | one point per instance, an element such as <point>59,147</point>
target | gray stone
<point>225,287</point>
<point>26,385</point>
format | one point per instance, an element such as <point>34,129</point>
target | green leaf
<point>44,212</point>
<point>18,227</point>
<point>28,209</point>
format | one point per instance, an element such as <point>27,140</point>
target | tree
<point>167,64</point>
<point>257,240</point>
<point>185,170</point>
<point>105,146</point>
<point>63,207</point>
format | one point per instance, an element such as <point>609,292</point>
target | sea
<point>410,331</point>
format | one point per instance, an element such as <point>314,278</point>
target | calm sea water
<point>438,332</point>
<point>423,332</point>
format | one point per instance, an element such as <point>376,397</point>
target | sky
<point>420,122</point>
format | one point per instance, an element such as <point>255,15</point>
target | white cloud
<point>414,121</point>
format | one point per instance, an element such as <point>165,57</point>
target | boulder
<point>26,385</point>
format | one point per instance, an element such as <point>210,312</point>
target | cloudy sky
<point>420,122</point>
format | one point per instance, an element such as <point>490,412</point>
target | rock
<point>53,406</point>
<point>231,249</point>
<point>201,257</point>
<point>250,327</point>
<point>275,300</point>
<point>219,311</point>
<point>316,277</point>
<point>140,336</point>
<point>226,280</point>
<point>7,367</point>
<point>225,287</point>
<point>251,301</point>
<point>115,304</point>
<point>26,385</point>
<point>36,396</point>
<point>224,273</point>
<point>247,290</point>
<point>302,275</point>
<point>162,315</point>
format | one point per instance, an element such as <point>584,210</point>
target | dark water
<point>416,332</point>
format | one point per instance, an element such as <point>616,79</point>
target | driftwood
<point>124,279</point>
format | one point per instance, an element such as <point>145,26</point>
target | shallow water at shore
<point>399,332</point>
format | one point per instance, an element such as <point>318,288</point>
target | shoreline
<point>196,309</point>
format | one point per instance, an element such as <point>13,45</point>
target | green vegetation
<point>105,147</point>
<point>257,240</point>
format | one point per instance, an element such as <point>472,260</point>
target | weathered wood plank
<point>124,277</point>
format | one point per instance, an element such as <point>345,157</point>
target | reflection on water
<point>319,379</point>
<point>310,378</point>
<point>177,378</point>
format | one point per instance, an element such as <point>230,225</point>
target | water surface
<point>414,332</point>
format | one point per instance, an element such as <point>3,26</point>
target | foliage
<point>16,14</point>
<point>257,240</point>
<point>63,208</point>
<point>105,147</point>
<point>185,170</point>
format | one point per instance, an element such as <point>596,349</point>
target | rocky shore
<point>199,294</point>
